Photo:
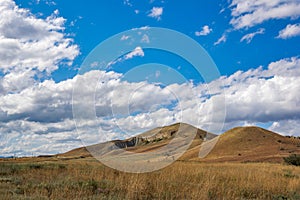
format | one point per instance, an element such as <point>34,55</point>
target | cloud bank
<point>42,114</point>
<point>247,14</point>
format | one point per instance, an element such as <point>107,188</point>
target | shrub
<point>289,174</point>
<point>280,197</point>
<point>92,184</point>
<point>293,160</point>
<point>35,166</point>
<point>8,169</point>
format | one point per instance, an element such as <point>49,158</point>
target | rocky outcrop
<point>157,135</point>
<point>122,144</point>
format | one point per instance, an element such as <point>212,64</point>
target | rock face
<point>152,136</point>
<point>122,144</point>
<point>157,135</point>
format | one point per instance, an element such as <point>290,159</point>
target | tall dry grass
<point>182,180</point>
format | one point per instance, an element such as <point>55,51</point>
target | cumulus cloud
<point>156,12</point>
<point>291,30</point>
<point>31,48</point>
<point>286,127</point>
<point>250,13</point>
<point>138,51</point>
<point>21,137</point>
<point>254,96</point>
<point>29,42</point>
<point>44,102</point>
<point>42,115</point>
<point>265,95</point>
<point>205,31</point>
<point>248,38</point>
<point>10,83</point>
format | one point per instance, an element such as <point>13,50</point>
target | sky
<point>50,102</point>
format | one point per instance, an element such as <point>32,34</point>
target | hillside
<point>241,144</point>
<point>146,142</point>
<point>252,144</point>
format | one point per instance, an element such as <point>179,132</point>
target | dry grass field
<point>246,163</point>
<point>88,179</point>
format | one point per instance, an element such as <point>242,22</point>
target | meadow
<point>88,179</point>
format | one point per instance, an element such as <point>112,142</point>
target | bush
<point>293,160</point>
<point>35,166</point>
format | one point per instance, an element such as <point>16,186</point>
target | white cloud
<point>127,3</point>
<point>11,81</point>
<point>50,2</point>
<point>156,12</point>
<point>222,39</point>
<point>265,95</point>
<point>253,12</point>
<point>125,37</point>
<point>37,116</point>
<point>29,42</point>
<point>41,115</point>
<point>205,31</point>
<point>145,39</point>
<point>286,127</point>
<point>248,38</point>
<point>291,30</point>
<point>138,51</point>
<point>143,28</point>
<point>34,138</point>
<point>41,102</point>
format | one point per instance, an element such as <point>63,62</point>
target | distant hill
<point>6,157</point>
<point>241,144</point>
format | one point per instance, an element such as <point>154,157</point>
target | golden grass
<point>87,179</point>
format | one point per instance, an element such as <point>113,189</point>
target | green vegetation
<point>293,159</point>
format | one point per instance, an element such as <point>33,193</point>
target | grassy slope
<point>253,144</point>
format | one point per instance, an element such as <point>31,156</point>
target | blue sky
<point>92,22</point>
<point>43,44</point>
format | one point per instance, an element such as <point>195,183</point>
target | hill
<point>252,144</point>
<point>241,144</point>
<point>146,142</point>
